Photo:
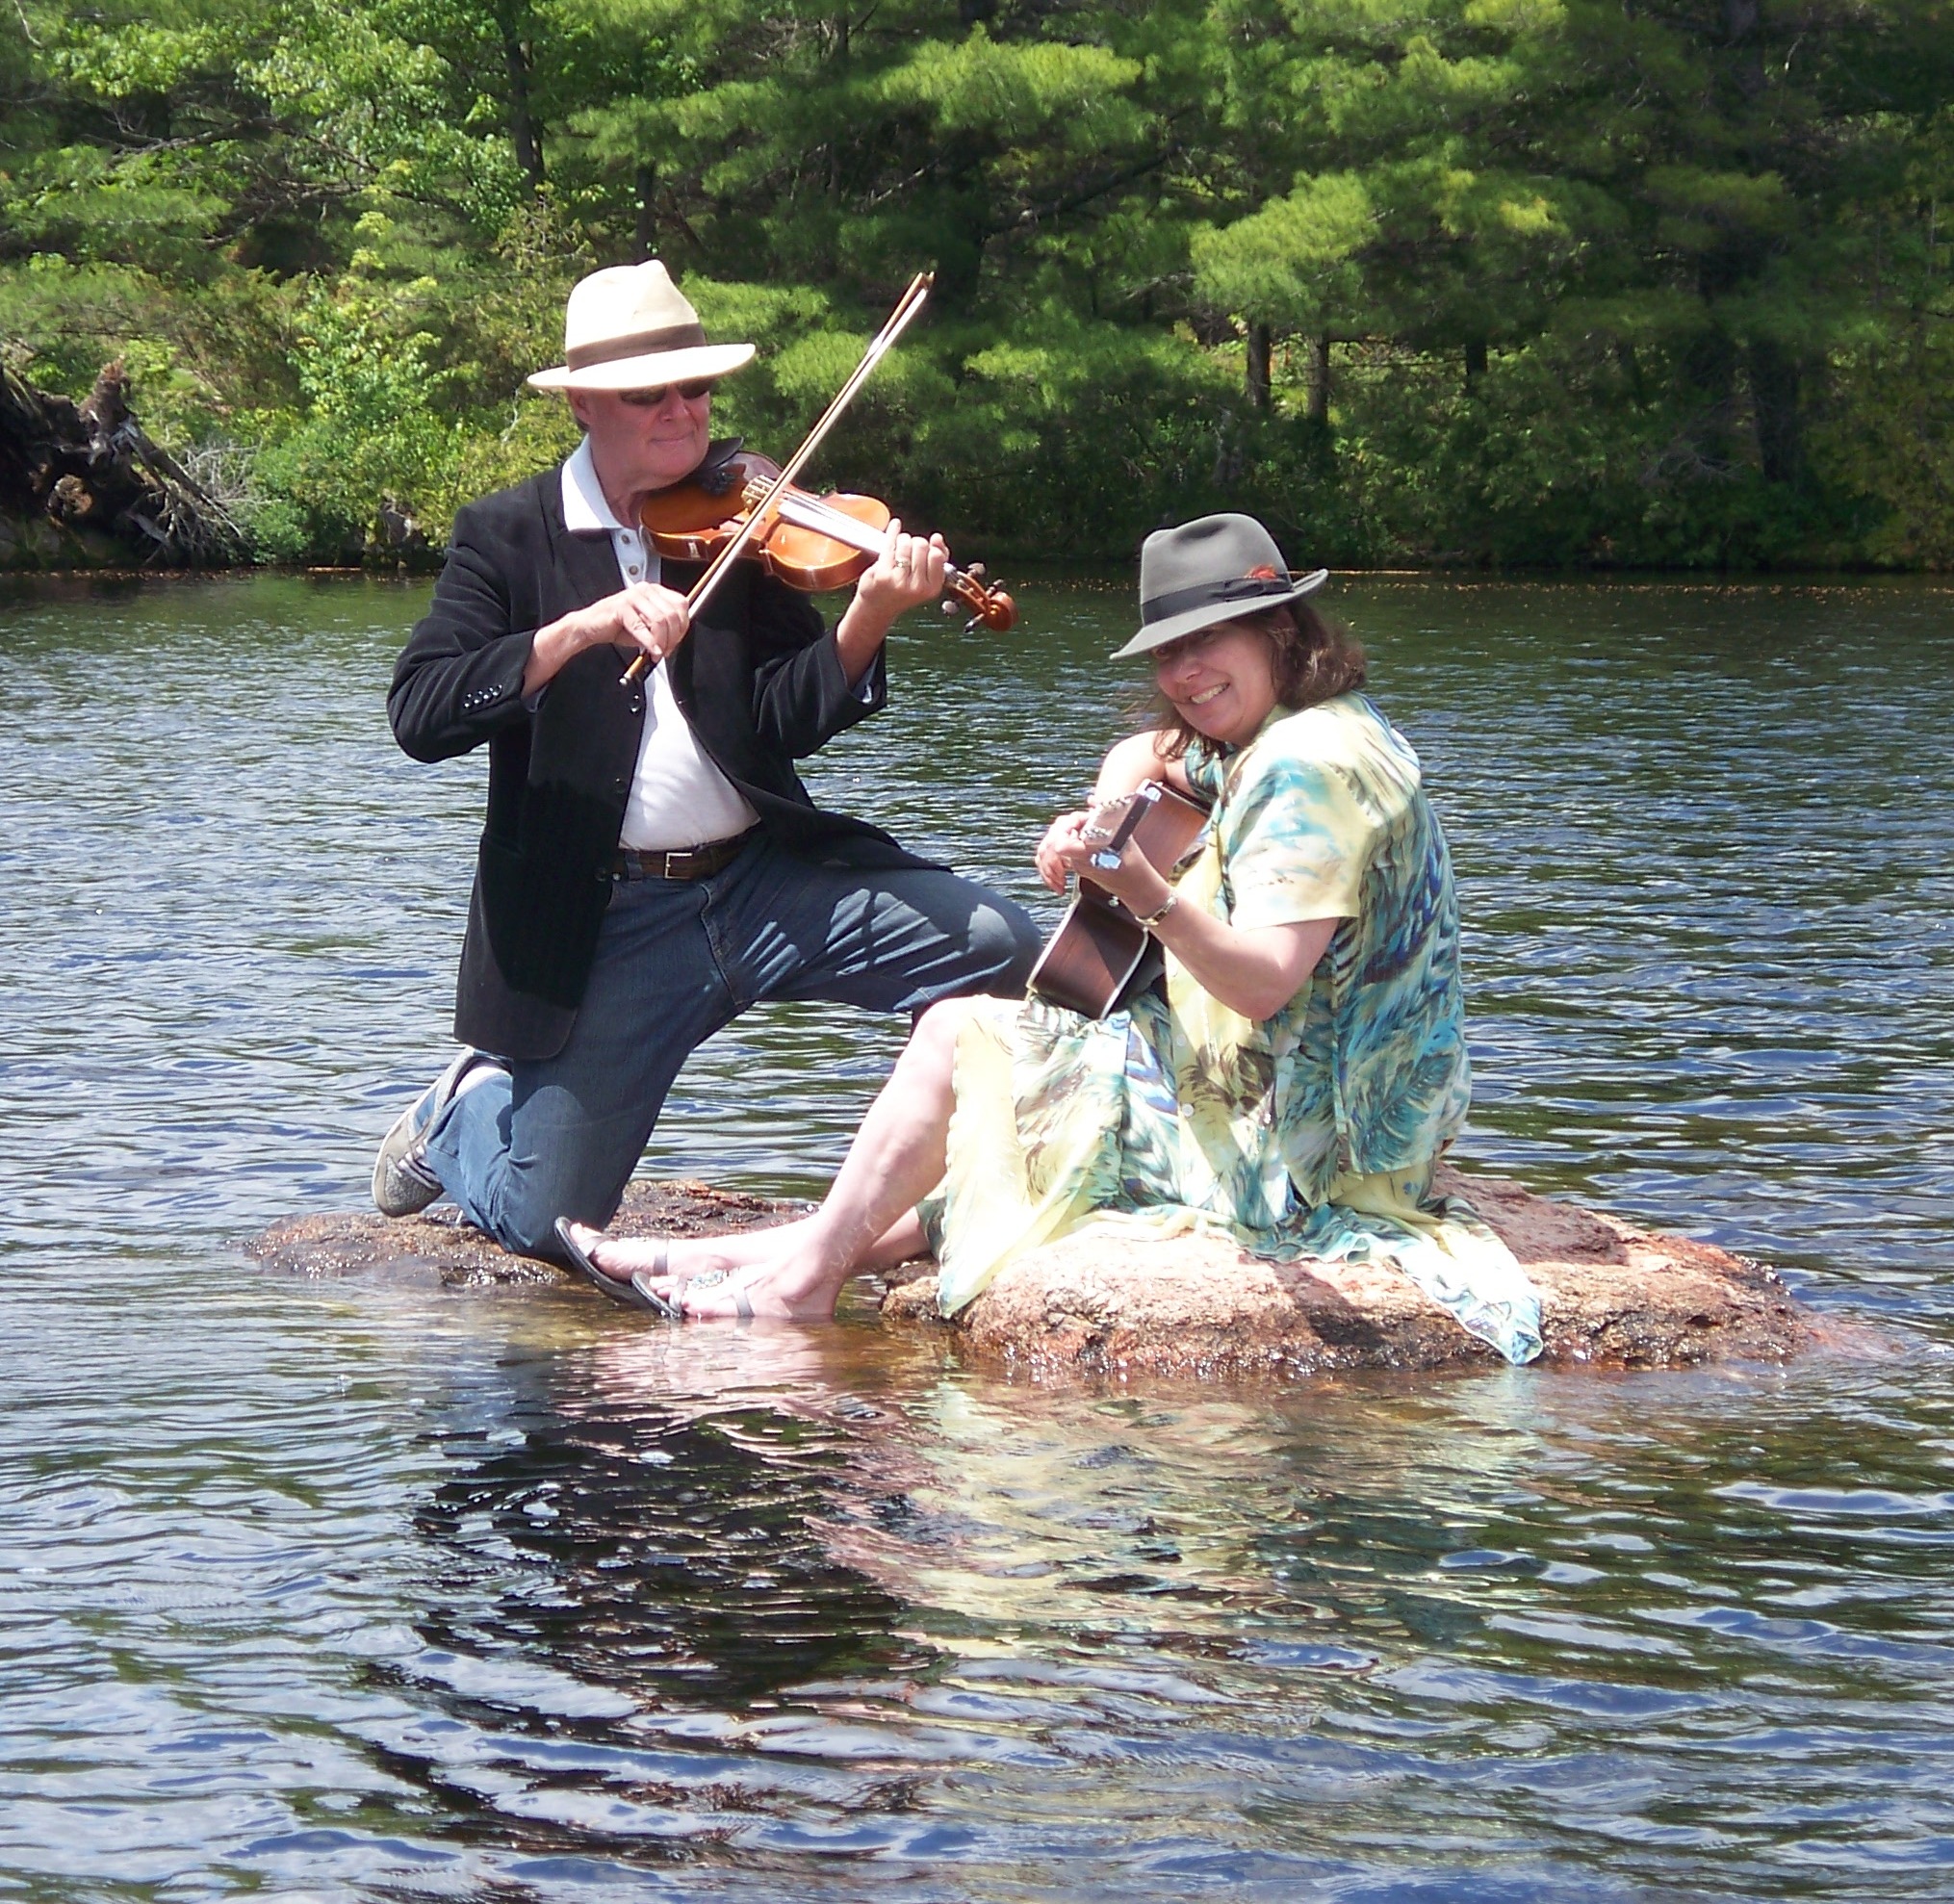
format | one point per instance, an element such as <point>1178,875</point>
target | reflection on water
<point>364,1589</point>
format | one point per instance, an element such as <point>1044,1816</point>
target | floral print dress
<point>1311,1134</point>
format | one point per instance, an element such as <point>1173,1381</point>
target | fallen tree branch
<point>90,466</point>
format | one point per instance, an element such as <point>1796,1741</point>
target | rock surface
<point>439,1244</point>
<point>1610,1293</point>
<point>1614,1294</point>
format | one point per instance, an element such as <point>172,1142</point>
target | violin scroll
<point>989,607</point>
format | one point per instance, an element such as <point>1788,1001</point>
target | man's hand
<point>907,572</point>
<point>645,617</point>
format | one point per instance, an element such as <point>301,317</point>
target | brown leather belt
<point>679,861</point>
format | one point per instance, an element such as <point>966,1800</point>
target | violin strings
<point>812,512</point>
<point>898,321</point>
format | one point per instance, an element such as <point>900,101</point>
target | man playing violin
<point>651,864</point>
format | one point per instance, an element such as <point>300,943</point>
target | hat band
<point>1205,594</point>
<point>640,344</point>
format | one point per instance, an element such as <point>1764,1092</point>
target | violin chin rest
<point>721,468</point>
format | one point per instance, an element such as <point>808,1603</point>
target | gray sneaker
<point>403,1182</point>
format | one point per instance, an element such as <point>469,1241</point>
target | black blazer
<point>758,678</point>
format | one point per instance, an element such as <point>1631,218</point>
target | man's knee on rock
<point>528,1227</point>
<point>528,1238</point>
<point>1008,939</point>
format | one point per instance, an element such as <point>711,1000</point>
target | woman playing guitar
<point>1294,1080</point>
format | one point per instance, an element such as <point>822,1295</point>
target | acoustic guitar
<point>1099,945</point>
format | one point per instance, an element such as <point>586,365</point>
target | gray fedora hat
<point>1213,569</point>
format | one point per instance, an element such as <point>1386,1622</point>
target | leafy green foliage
<point>1488,281</point>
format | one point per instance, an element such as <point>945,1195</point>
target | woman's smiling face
<point>1220,680</point>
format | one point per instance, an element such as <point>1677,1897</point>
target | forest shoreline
<point>1485,288</point>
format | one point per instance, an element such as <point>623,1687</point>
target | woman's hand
<point>1129,764</point>
<point>1063,832</point>
<point>1075,842</point>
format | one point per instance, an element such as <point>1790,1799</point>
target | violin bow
<point>879,345</point>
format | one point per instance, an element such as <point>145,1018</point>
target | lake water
<point>361,1589</point>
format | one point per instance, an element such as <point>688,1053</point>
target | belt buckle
<point>675,857</point>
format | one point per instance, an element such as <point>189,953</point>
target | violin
<point>771,515</point>
<point>808,542</point>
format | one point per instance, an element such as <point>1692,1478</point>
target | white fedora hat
<point>628,328</point>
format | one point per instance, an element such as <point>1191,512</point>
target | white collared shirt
<point>677,797</point>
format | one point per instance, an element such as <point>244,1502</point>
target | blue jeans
<point>678,961</point>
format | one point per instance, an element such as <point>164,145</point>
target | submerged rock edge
<point>1613,1294</point>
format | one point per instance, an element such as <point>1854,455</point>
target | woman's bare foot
<point>787,1291</point>
<point>776,1272</point>
<point>624,1257</point>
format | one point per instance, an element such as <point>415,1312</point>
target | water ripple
<point>370,1590</point>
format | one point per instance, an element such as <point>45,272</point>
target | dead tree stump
<point>83,485</point>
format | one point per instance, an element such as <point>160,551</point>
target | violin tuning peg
<point>948,606</point>
<point>973,569</point>
<point>970,627</point>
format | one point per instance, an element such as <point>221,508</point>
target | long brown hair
<point>1313,659</point>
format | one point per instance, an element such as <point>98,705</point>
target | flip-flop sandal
<point>620,1288</point>
<point>742,1309</point>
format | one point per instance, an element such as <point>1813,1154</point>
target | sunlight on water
<point>363,1589</point>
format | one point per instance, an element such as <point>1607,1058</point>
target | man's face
<point>644,440</point>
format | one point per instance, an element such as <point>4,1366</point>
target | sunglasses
<point>650,400</point>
